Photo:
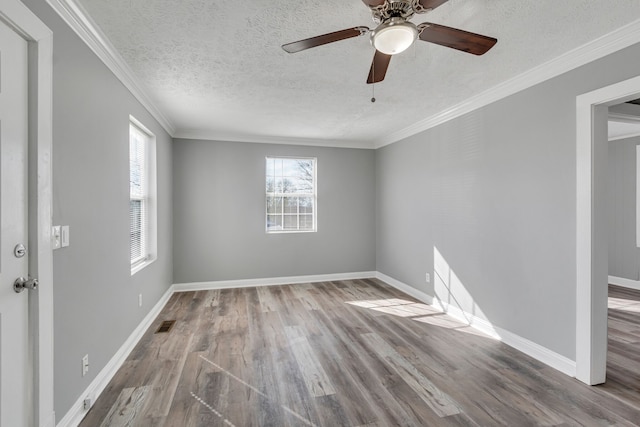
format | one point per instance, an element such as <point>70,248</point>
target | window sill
<point>291,231</point>
<point>141,264</point>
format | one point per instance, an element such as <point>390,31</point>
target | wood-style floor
<point>623,358</point>
<point>352,353</point>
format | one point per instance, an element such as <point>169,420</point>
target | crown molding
<point>264,139</point>
<point>596,49</point>
<point>78,19</point>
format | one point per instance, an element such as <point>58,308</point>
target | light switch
<point>55,237</point>
<point>64,236</point>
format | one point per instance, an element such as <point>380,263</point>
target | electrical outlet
<point>140,300</point>
<point>428,278</point>
<point>86,404</point>
<point>85,365</point>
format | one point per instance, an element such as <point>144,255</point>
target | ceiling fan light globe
<point>393,38</point>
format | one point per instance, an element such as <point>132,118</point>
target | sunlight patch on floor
<point>397,307</point>
<point>446,321</point>
<point>622,304</point>
<point>419,312</point>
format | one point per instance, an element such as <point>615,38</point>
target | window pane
<point>306,222</point>
<point>287,186</point>
<point>290,167</point>
<point>274,222</point>
<point>271,185</point>
<point>274,205</point>
<point>277,167</point>
<point>306,205</point>
<point>291,222</point>
<point>304,169</point>
<point>136,219</point>
<point>136,165</point>
<point>291,205</point>
<point>299,185</point>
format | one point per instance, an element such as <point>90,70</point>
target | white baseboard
<point>97,386</point>
<point>538,352</point>
<point>249,283</point>
<point>625,283</point>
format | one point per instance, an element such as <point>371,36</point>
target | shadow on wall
<point>453,297</point>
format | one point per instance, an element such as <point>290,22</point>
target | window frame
<point>147,198</point>
<point>313,196</point>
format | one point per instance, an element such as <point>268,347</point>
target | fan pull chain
<point>373,84</point>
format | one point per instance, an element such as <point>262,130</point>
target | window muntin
<point>142,212</point>
<point>291,201</point>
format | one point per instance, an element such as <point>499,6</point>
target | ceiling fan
<point>395,33</point>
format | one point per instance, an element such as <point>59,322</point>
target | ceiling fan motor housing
<point>394,9</point>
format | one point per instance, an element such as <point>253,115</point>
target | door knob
<point>21,284</point>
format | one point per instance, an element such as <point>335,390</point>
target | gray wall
<point>495,192</point>
<point>95,296</point>
<point>624,256</point>
<point>219,209</point>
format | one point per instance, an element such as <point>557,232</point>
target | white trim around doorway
<point>591,288</point>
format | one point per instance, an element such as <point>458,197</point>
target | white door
<point>15,380</point>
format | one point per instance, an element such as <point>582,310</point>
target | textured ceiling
<point>216,69</point>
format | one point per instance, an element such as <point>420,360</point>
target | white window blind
<point>140,170</point>
<point>291,194</point>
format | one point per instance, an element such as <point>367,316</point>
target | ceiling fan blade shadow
<point>454,38</point>
<point>324,39</point>
<point>431,4</point>
<point>378,67</point>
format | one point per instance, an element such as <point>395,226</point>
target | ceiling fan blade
<point>378,67</point>
<point>324,39</point>
<point>455,39</point>
<point>373,3</point>
<point>431,4</point>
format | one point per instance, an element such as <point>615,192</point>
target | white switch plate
<point>55,237</point>
<point>85,365</point>
<point>64,236</point>
<point>428,278</point>
<point>140,300</point>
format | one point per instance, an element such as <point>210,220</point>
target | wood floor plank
<point>305,297</point>
<point>267,301</point>
<point>316,378</point>
<point>438,401</point>
<point>126,408</point>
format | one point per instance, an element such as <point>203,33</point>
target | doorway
<point>591,226</point>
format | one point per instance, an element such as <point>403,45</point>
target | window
<point>142,192</point>
<point>291,194</point>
